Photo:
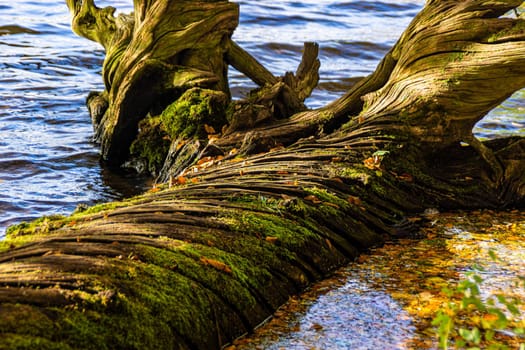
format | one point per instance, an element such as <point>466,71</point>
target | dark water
<point>48,163</point>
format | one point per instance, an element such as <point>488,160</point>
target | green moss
<point>98,208</point>
<point>517,28</point>
<point>456,56</point>
<point>39,226</point>
<point>236,283</point>
<point>354,173</point>
<point>159,310</point>
<point>186,117</point>
<point>327,197</point>
<point>152,144</point>
<point>259,202</point>
<point>289,233</point>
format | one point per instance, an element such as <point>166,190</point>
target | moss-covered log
<point>211,253</point>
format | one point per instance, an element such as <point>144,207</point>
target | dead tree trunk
<point>209,255</point>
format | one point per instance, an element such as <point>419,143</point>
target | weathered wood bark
<point>209,255</point>
<point>165,49</point>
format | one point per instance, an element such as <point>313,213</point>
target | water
<point>388,297</point>
<point>48,163</point>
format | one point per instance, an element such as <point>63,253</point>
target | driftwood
<point>167,48</point>
<point>214,251</point>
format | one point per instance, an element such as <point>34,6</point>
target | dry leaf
<point>181,180</point>
<point>333,205</point>
<point>406,177</point>
<point>204,160</point>
<point>313,199</point>
<point>209,129</point>
<point>216,264</point>
<point>354,200</point>
<point>372,163</point>
<point>272,240</point>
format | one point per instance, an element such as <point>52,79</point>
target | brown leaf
<point>216,264</point>
<point>209,129</point>
<point>372,163</point>
<point>204,160</point>
<point>313,199</point>
<point>337,179</point>
<point>272,240</point>
<point>406,177</point>
<point>317,327</point>
<point>333,205</point>
<point>181,180</point>
<point>354,200</point>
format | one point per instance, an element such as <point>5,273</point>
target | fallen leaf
<point>181,180</point>
<point>354,200</point>
<point>329,244</point>
<point>317,327</point>
<point>333,205</point>
<point>155,189</point>
<point>406,177</point>
<point>204,160</point>
<point>272,240</point>
<point>216,264</point>
<point>372,163</point>
<point>313,199</point>
<point>209,129</point>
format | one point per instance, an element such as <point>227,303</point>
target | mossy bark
<point>165,48</point>
<point>211,253</point>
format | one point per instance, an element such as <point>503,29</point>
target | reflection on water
<point>48,163</point>
<point>388,297</point>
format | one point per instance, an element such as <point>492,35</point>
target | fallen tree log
<point>214,251</point>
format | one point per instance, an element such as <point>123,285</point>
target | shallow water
<point>48,163</point>
<point>387,298</point>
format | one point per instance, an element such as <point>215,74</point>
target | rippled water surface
<point>48,163</point>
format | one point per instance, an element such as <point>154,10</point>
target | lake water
<point>48,163</point>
